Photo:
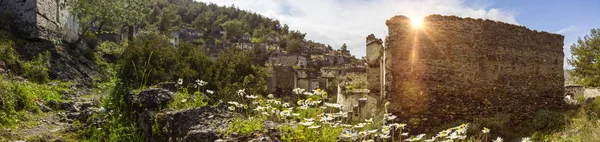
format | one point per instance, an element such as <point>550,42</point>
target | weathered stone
<point>40,19</point>
<point>153,98</point>
<point>460,69</point>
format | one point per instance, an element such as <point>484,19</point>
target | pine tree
<point>585,59</point>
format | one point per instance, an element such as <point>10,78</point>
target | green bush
<point>548,120</point>
<point>37,69</point>
<point>593,109</point>
<point>7,53</point>
<point>151,59</point>
<point>19,98</point>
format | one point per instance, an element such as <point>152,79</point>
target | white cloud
<point>336,22</point>
<point>567,29</point>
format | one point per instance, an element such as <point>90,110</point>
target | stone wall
<point>40,19</point>
<point>460,69</point>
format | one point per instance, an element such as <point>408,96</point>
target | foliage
<point>184,100</point>
<point>581,126</point>
<point>18,98</point>
<point>245,126</point>
<point>593,109</point>
<point>115,123</point>
<point>37,69</point>
<point>344,47</point>
<point>548,120</point>
<point>8,54</point>
<point>108,14</point>
<point>586,59</point>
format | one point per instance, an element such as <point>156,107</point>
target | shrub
<point>184,100</point>
<point>37,69</point>
<point>548,120</point>
<point>19,98</point>
<point>593,109</point>
<point>8,54</point>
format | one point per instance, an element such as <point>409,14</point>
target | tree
<point>113,13</point>
<point>586,59</point>
<point>344,47</point>
<point>233,29</point>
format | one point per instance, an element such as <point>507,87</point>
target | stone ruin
<point>39,19</point>
<point>454,69</point>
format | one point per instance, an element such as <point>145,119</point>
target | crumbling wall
<point>40,19</point>
<point>461,69</point>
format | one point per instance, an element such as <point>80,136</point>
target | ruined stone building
<point>39,19</point>
<point>454,69</point>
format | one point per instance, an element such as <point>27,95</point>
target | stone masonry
<point>40,19</point>
<point>455,69</point>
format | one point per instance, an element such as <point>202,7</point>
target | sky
<point>335,22</point>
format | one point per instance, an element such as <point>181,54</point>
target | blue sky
<point>336,22</point>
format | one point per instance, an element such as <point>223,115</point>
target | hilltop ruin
<point>454,69</point>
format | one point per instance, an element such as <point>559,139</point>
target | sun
<point>416,22</point>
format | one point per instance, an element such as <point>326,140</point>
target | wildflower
<point>295,114</point>
<point>259,108</point>
<point>420,136</point>
<point>231,108</point>
<point>370,120</point>
<point>241,92</point>
<point>404,134</point>
<point>384,136</point>
<point>201,82</point>
<point>270,96</point>
<point>430,140</point>
<point>210,92</point>
<point>309,119</point>
<point>285,113</point>
<point>369,140</point>
<point>285,105</point>
<point>298,91</point>
<point>358,126</point>
<point>308,94</point>
<point>219,140</point>
<point>526,139</point>
<point>326,118</point>
<point>391,117</point>
<point>306,123</point>
<point>485,130</point>
<point>234,103</point>
<point>411,139</point>
<point>333,105</point>
<point>346,125</point>
<point>363,133</point>
<point>251,96</point>
<point>347,134</point>
<point>183,101</point>
<point>254,102</point>
<point>303,107</point>
<point>314,127</point>
<point>300,102</point>
<point>180,81</point>
<point>498,139</point>
<point>195,86</point>
<point>372,131</point>
<point>264,113</point>
<point>453,136</point>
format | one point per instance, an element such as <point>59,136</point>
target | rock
<point>68,106</point>
<point>198,124</point>
<point>153,98</point>
<point>269,125</point>
<point>43,107</point>
<point>171,86</point>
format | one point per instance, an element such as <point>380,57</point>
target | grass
<point>582,125</point>
<point>183,100</point>
<point>19,99</point>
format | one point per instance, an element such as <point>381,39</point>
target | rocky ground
<point>59,120</point>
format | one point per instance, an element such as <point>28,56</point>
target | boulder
<point>153,99</point>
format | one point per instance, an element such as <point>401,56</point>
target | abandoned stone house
<point>288,60</point>
<point>39,19</point>
<point>455,69</point>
